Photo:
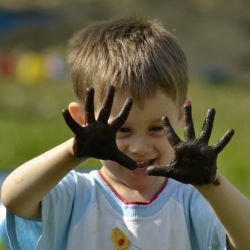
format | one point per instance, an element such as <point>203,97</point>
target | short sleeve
<point>56,207</point>
<point>204,227</point>
<point>64,207</point>
<point>23,234</point>
<point>59,214</point>
<point>56,212</point>
<point>4,241</point>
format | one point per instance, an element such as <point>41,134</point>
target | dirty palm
<point>194,161</point>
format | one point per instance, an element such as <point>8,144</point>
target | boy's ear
<point>181,116</point>
<point>188,100</point>
<point>77,112</point>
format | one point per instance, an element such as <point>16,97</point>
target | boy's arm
<point>194,162</point>
<point>232,209</point>
<point>24,188</point>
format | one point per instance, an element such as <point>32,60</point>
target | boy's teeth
<point>142,162</point>
<point>143,165</point>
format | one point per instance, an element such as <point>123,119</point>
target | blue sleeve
<point>56,206</point>
<point>23,234</point>
<point>63,208</point>
<point>13,231</point>
<point>203,225</point>
<point>56,212</point>
<point>4,241</point>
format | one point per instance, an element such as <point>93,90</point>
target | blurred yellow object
<point>30,67</point>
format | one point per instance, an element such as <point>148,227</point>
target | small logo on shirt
<point>119,238</point>
<point>121,241</point>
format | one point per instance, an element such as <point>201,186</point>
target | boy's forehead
<point>159,94</point>
<point>159,100</point>
<point>154,109</point>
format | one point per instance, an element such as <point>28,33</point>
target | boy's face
<point>142,138</point>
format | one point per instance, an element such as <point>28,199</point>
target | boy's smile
<point>142,166</point>
<point>143,139</point>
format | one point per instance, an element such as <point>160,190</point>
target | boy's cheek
<point>110,165</point>
<point>120,136</point>
<point>167,155</point>
<point>120,143</point>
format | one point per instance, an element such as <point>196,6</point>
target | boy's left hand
<point>194,162</point>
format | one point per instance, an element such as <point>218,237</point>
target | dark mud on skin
<point>194,162</point>
<point>97,139</point>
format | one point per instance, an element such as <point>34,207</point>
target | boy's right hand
<point>194,161</point>
<point>97,139</point>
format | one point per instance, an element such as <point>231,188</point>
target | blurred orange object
<point>7,64</point>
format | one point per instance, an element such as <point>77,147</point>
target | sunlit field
<point>231,103</point>
<point>31,123</point>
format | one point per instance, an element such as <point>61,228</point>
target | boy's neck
<point>129,195</point>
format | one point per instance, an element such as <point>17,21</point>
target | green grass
<point>231,102</point>
<point>31,123</point>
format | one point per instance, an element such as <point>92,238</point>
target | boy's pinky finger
<point>222,143</point>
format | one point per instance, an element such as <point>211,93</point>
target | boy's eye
<point>124,130</point>
<point>156,128</point>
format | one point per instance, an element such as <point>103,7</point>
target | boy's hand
<point>97,138</point>
<point>194,162</point>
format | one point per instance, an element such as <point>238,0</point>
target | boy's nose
<point>140,145</point>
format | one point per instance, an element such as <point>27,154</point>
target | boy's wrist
<point>211,186</point>
<point>70,150</point>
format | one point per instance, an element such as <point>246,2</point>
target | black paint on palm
<point>97,139</point>
<point>194,162</point>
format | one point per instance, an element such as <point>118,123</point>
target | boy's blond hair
<point>134,54</point>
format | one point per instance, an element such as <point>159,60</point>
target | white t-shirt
<point>84,212</point>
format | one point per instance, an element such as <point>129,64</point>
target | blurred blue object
<point>214,72</point>
<point>13,20</point>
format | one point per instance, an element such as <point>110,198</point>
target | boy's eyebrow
<point>160,119</point>
<point>157,120</point>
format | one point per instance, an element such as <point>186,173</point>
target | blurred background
<point>35,85</point>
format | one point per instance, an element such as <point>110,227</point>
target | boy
<point>125,205</point>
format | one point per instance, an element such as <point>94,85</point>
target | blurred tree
<point>210,32</point>
<point>28,4</point>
